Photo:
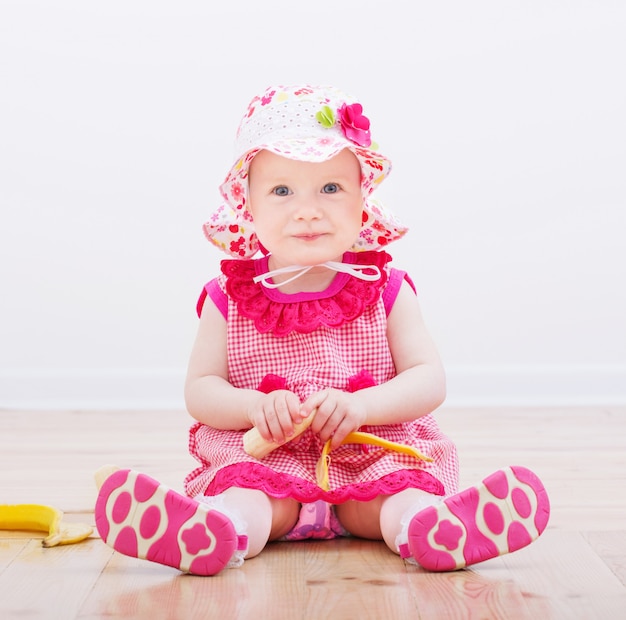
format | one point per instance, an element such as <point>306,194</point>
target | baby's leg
<point>396,511</point>
<point>381,517</point>
<point>266,518</point>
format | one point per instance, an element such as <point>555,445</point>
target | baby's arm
<point>213,400</point>
<point>417,389</point>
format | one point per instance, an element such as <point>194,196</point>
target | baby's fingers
<point>280,414</point>
<point>278,422</point>
<point>313,402</point>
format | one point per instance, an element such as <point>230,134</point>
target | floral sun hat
<point>306,123</point>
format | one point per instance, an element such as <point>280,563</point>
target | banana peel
<point>42,518</point>
<point>321,469</point>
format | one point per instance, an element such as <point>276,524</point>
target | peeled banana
<point>40,518</point>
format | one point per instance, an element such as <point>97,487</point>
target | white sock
<point>402,538</point>
<point>216,502</point>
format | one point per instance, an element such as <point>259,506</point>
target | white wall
<point>505,121</point>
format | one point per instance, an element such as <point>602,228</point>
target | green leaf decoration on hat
<point>326,117</point>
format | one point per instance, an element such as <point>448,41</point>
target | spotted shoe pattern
<point>139,517</point>
<point>506,512</point>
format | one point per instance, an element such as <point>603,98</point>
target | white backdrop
<point>505,122</point>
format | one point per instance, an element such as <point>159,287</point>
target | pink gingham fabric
<point>308,362</point>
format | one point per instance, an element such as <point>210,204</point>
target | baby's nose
<point>308,210</point>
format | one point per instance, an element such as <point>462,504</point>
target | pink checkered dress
<point>336,339</point>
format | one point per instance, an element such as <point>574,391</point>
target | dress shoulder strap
<point>390,293</point>
<point>214,290</point>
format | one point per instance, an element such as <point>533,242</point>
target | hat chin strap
<point>358,271</point>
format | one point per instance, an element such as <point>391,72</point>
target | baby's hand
<point>275,414</point>
<point>338,413</point>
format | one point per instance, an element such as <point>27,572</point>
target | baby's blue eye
<point>281,190</point>
<point>331,188</point>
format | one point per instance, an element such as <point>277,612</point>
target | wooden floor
<point>577,569</point>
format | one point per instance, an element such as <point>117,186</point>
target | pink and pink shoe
<point>506,512</point>
<point>141,518</point>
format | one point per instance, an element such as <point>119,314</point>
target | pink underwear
<point>316,520</point>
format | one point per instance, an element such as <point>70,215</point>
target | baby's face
<point>305,213</point>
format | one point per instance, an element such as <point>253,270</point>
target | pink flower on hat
<point>267,98</point>
<point>237,191</point>
<point>238,246</point>
<point>355,126</point>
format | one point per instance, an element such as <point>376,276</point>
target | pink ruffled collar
<point>280,314</point>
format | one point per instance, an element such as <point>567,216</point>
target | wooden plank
<point>286,581</point>
<point>611,548</point>
<point>70,446</point>
<point>10,548</point>
<point>346,575</point>
<point>271,585</point>
<point>561,577</point>
<point>466,594</point>
<point>50,583</point>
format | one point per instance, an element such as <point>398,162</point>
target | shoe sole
<point>506,512</point>
<point>141,518</point>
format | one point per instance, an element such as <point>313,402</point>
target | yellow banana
<point>40,518</point>
<point>360,437</point>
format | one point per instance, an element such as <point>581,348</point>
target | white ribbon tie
<point>358,271</point>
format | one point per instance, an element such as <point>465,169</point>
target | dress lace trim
<point>280,485</point>
<point>280,314</point>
